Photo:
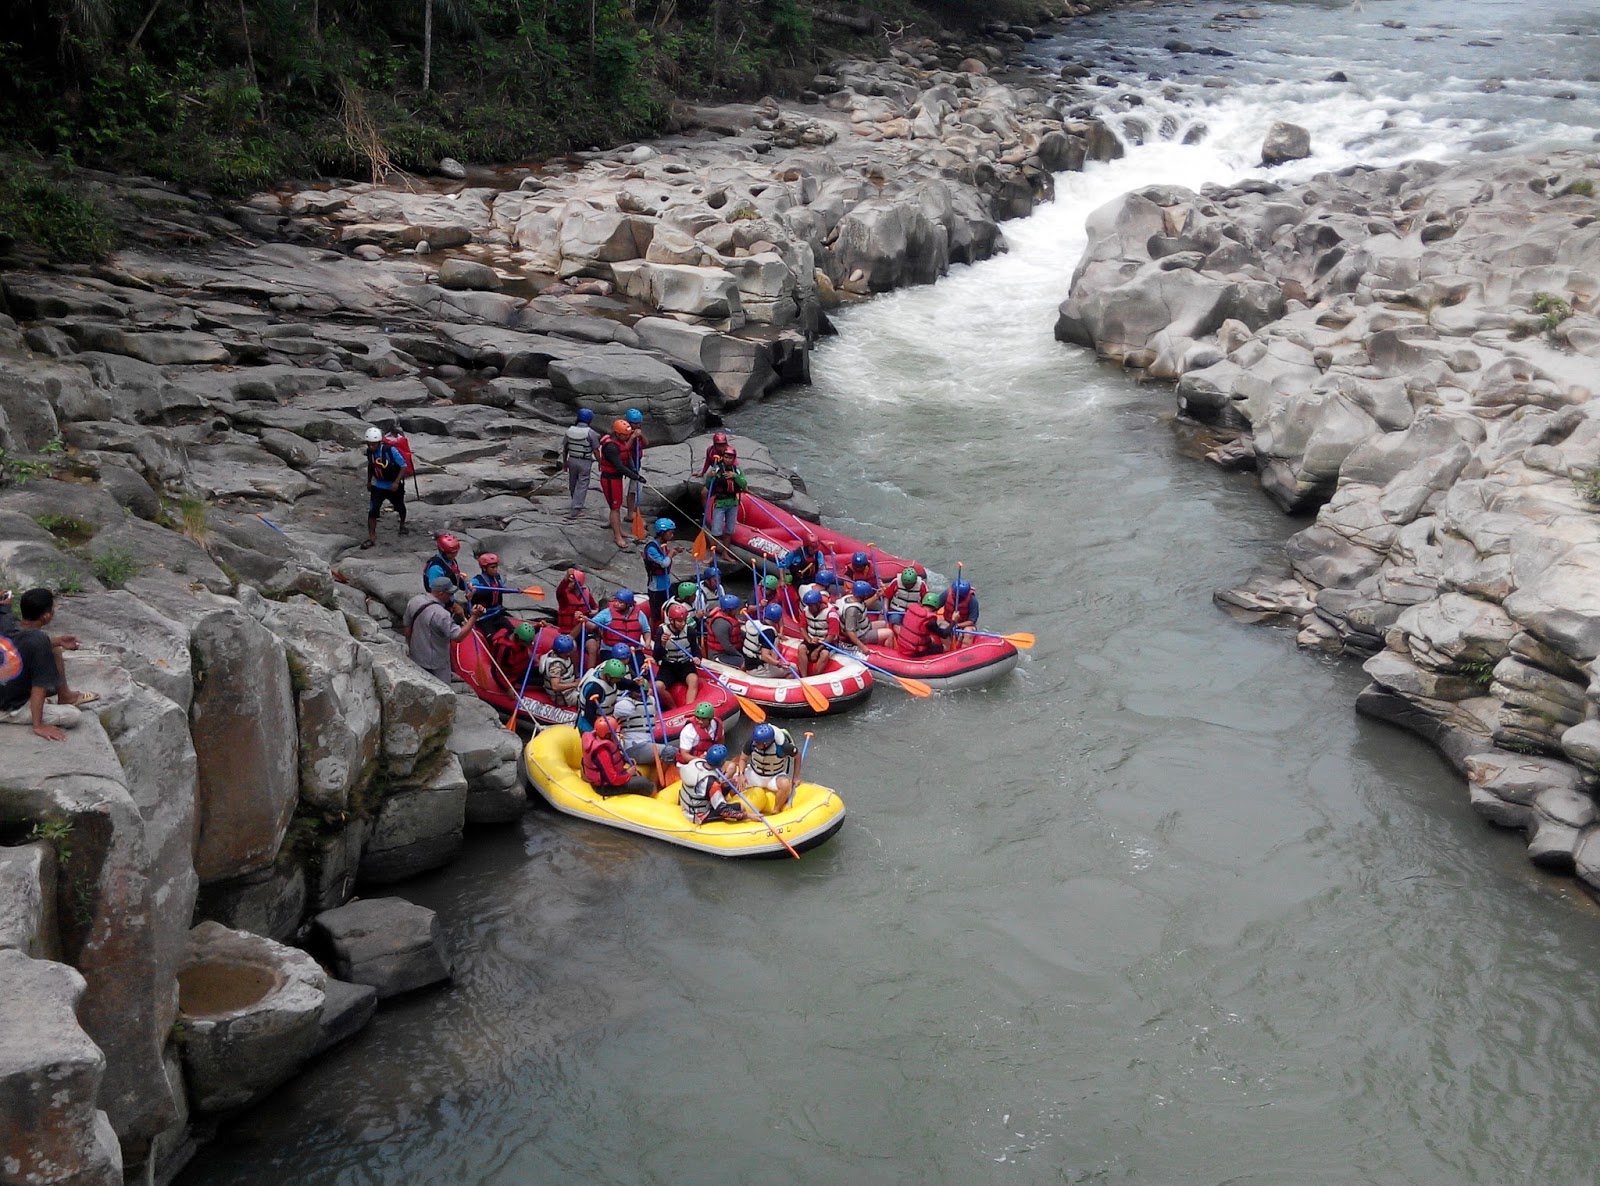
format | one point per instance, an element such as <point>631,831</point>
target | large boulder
<point>50,1074</point>
<point>611,383</point>
<point>28,900</point>
<point>251,1012</point>
<point>245,736</point>
<point>391,944</point>
<point>417,712</point>
<point>488,753</point>
<point>1285,142</point>
<point>419,828</point>
<point>883,243</point>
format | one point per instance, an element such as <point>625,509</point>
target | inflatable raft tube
<point>470,660</point>
<point>768,532</point>
<point>984,661</point>
<point>844,684</point>
<point>552,762</point>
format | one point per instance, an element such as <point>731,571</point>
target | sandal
<point>367,543</point>
<point>83,698</point>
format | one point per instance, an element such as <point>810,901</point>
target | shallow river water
<point>1159,908</point>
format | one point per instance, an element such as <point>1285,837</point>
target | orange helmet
<point>621,428</point>
<point>448,544</point>
<point>605,726</point>
<point>488,560</point>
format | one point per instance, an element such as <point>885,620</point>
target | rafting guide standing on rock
<point>579,444</point>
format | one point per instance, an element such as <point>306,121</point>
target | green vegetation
<point>65,580</point>
<point>1479,672</point>
<point>191,519</point>
<point>1589,486</point>
<point>1555,309</point>
<point>115,567</point>
<point>57,832</point>
<point>59,219</point>
<point>67,529</point>
<point>1583,187</point>
<point>232,95</point>
<point>16,469</point>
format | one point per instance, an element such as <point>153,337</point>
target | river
<point>1159,908</point>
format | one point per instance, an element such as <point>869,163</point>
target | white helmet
<point>374,435</point>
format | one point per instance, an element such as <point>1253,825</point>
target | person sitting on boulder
<point>707,793</point>
<point>386,483</point>
<point>718,450</point>
<point>558,672</point>
<point>32,668</point>
<point>605,767</point>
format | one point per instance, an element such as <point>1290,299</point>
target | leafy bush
<point>61,219</point>
<point>1555,310</point>
<point>1589,486</point>
<point>115,567</point>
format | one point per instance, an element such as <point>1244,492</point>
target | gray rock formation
<point>391,944</point>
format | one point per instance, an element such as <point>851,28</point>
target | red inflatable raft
<point>975,662</point>
<point>474,667</point>
<point>844,683</point>
<point>769,532</point>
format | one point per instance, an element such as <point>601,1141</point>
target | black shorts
<point>676,671</point>
<point>395,498</point>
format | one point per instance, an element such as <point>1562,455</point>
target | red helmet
<point>575,575</point>
<point>719,438</point>
<point>677,612</point>
<point>621,428</point>
<point>488,560</point>
<point>448,544</point>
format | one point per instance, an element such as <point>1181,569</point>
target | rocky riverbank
<point>1410,354</point>
<point>181,432</point>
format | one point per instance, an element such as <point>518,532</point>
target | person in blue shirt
<point>443,564</point>
<point>658,554</point>
<point>960,605</point>
<point>486,591</point>
<point>386,483</point>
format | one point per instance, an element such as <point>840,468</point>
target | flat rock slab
<point>348,1009</point>
<point>391,944</point>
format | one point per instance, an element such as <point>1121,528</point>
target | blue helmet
<point>960,588</point>
<point>730,601</point>
<point>564,645</point>
<point>812,597</point>
<point>635,416</point>
<point>619,650</point>
<point>625,596</point>
<point>709,571</point>
<point>827,578</point>
<point>773,612</point>
<point>861,589</point>
<point>664,525</point>
<point>763,734</point>
<point>858,559</point>
<point>585,415</point>
<point>716,755</point>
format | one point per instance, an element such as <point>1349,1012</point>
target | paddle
<point>702,546</point>
<point>521,692</point>
<point>655,695</point>
<point>727,782</point>
<point>638,525</point>
<point>1022,640</point>
<point>534,591</point>
<point>915,686</point>
<point>799,759</point>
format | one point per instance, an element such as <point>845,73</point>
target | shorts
<point>765,781</point>
<point>612,489</point>
<point>676,671</point>
<point>395,498</point>
<point>645,753</point>
<point>723,520</point>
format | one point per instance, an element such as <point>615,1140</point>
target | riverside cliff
<point>1411,354</point>
<point>182,435</point>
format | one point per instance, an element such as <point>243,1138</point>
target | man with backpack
<point>386,482</point>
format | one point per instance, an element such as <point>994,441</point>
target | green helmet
<point>686,591</point>
<point>932,601</point>
<point>770,583</point>
<point>613,669</point>
<point>908,577</point>
<point>704,711</point>
<point>525,632</point>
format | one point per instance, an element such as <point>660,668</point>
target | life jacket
<point>631,626</point>
<point>716,453</point>
<point>701,793</point>
<point>512,653</point>
<point>607,469</point>
<point>635,728</point>
<point>734,627</point>
<point>916,633</point>
<point>608,694</point>
<point>778,758</point>
<point>387,457</point>
<point>657,562</point>
<point>724,485</point>
<point>488,596</point>
<point>447,567</point>
<point>580,446</point>
<point>685,637</point>
<point>698,737</point>
<point>810,564</point>
<point>822,624</point>
<point>756,639</point>
<point>866,572</point>
<point>956,611</point>
<point>572,600</point>
<point>852,616</point>
<point>903,597</point>
<point>553,667</point>
<point>603,761</point>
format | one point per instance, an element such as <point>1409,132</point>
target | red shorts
<point>612,489</point>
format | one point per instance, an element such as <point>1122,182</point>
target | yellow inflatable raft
<point>553,758</point>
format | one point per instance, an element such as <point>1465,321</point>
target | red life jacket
<point>572,600</point>
<point>866,573</point>
<point>631,626</point>
<point>707,734</point>
<point>735,627</point>
<point>916,633</point>
<point>603,764</point>
<point>956,611</point>
<point>607,469</point>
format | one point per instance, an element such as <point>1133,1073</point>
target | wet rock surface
<point>1411,354</point>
